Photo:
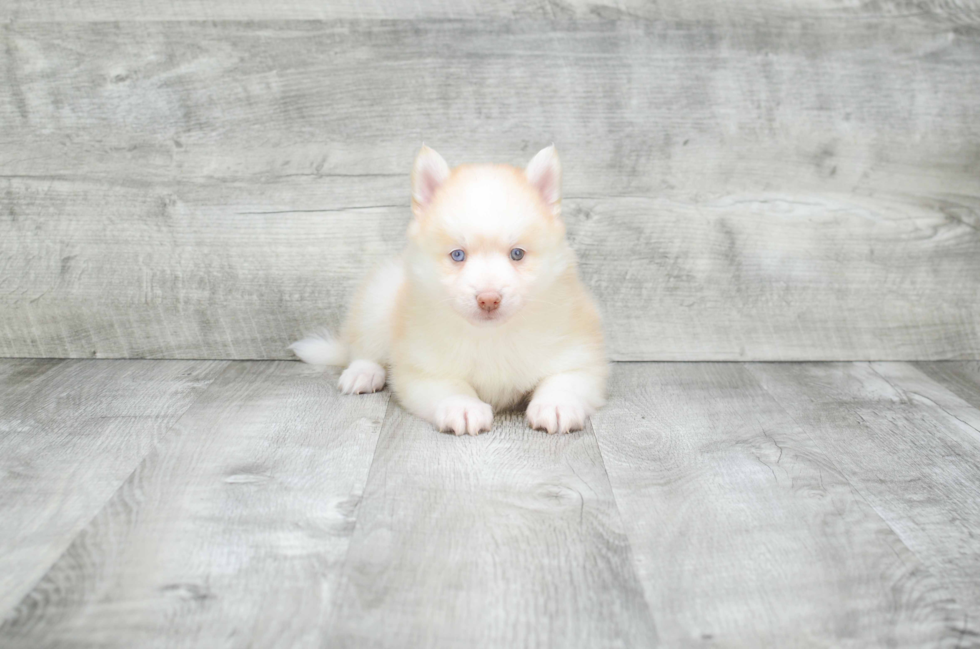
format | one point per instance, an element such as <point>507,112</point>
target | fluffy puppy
<point>483,309</point>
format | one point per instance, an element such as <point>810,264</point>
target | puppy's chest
<point>501,371</point>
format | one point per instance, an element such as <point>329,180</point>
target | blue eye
<point>458,255</point>
<point>517,254</point>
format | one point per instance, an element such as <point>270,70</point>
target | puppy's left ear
<point>544,174</point>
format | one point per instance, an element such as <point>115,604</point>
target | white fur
<point>321,349</point>
<point>544,173</point>
<point>368,328</point>
<point>461,414</point>
<point>428,173</point>
<point>362,377</point>
<point>451,362</point>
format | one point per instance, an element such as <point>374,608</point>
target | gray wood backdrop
<point>767,180</point>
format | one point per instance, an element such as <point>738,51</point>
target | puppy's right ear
<point>428,173</point>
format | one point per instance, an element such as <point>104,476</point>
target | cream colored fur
<point>450,360</point>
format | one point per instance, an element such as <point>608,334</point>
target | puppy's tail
<point>321,349</point>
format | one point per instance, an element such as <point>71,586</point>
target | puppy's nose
<point>488,300</point>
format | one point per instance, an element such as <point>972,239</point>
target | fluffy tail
<point>321,349</point>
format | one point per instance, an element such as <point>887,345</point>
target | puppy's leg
<point>362,376</point>
<point>451,405</point>
<point>366,342</point>
<point>561,403</point>
<point>368,331</point>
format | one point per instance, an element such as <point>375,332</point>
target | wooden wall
<point>772,180</point>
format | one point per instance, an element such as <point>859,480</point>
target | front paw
<point>557,414</point>
<point>462,414</point>
<point>362,377</point>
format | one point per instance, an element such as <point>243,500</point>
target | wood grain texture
<point>745,532</point>
<point>961,378</point>
<point>960,12</point>
<point>909,446</point>
<point>509,539</point>
<point>792,188</point>
<point>228,535</point>
<point>736,505</point>
<point>70,434</point>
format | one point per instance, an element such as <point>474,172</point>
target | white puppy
<point>483,308</point>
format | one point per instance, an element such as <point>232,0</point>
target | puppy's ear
<point>544,174</point>
<point>428,173</point>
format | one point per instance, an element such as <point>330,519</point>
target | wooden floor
<point>232,504</point>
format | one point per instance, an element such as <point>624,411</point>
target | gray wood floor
<point>232,504</point>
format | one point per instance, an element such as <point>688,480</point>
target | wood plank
<point>70,434</point>
<point>218,101</point>
<point>961,378</point>
<point>908,446</point>
<point>957,12</point>
<point>229,533</point>
<point>917,385</point>
<point>19,375</point>
<point>509,539</point>
<point>206,278</point>
<point>745,532</point>
<point>786,189</point>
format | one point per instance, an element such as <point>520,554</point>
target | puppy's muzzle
<point>488,300</point>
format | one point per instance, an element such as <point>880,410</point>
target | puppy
<point>483,309</point>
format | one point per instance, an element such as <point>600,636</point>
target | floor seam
<point>342,567</point>
<point>963,628</point>
<point>629,541</point>
<point>946,389</point>
<point>8,615</point>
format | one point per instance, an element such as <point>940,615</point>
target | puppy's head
<point>487,239</point>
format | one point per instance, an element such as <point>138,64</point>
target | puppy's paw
<point>557,413</point>
<point>362,377</point>
<point>462,414</point>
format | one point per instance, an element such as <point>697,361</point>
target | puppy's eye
<point>458,255</point>
<point>517,254</point>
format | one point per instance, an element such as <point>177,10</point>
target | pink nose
<point>488,300</point>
